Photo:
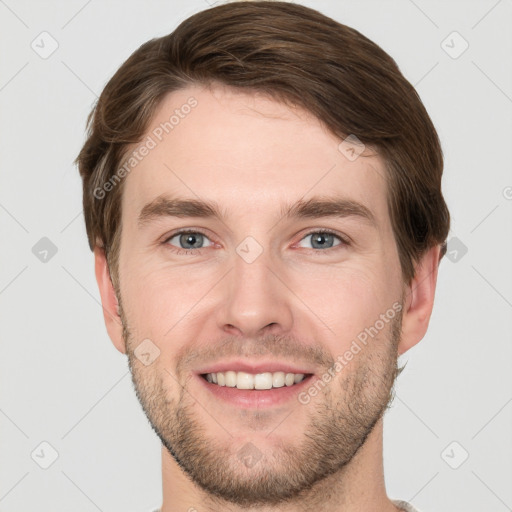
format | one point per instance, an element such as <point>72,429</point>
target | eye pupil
<point>321,239</point>
<point>193,239</point>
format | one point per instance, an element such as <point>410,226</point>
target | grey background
<point>61,380</point>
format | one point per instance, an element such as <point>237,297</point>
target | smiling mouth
<point>258,381</point>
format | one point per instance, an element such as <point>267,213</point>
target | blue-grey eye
<point>322,240</point>
<point>190,240</point>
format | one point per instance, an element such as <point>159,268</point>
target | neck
<point>359,486</point>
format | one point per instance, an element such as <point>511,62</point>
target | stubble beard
<point>342,416</point>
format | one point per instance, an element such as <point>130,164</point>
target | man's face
<point>260,291</point>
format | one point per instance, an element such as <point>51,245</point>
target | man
<point>262,192</point>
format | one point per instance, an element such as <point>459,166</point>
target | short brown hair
<point>295,55</point>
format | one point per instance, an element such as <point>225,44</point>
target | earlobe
<point>109,300</point>
<point>419,300</point>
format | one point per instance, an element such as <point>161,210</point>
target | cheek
<point>157,298</point>
<point>347,299</point>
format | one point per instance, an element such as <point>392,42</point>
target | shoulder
<point>407,507</point>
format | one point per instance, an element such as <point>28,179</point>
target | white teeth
<point>230,378</point>
<point>244,380</point>
<point>263,381</point>
<point>289,380</point>
<point>297,377</point>
<point>278,380</point>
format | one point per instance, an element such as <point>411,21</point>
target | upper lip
<point>254,367</point>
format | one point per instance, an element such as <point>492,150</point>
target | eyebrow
<point>314,208</point>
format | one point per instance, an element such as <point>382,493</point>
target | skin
<point>251,155</point>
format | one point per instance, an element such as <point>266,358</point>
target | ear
<point>419,300</point>
<point>108,300</point>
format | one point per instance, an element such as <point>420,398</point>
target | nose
<point>255,299</point>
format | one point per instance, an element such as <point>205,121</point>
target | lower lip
<point>256,398</point>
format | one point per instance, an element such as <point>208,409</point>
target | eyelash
<point>344,241</point>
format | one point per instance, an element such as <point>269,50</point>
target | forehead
<point>247,152</point>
